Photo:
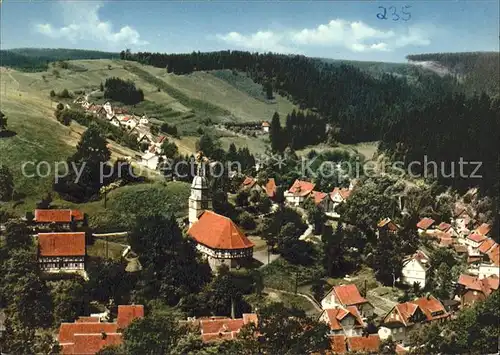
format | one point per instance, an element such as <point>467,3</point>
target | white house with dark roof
<point>416,269</point>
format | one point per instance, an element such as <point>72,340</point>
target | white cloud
<point>355,36</point>
<point>82,22</point>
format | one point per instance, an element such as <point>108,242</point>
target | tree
<point>443,281</point>
<point>108,280</point>
<point>152,335</point>
<point>269,90</point>
<point>276,134</point>
<point>388,259</point>
<point>3,121</point>
<point>17,236</point>
<point>169,149</point>
<point>387,347</point>
<point>209,146</point>
<point>246,220</point>
<point>6,183</point>
<point>289,331</point>
<point>68,300</point>
<point>101,87</point>
<point>64,94</point>
<point>59,106</point>
<point>242,198</point>
<point>172,267</point>
<point>52,93</point>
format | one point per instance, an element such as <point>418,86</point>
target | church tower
<point>199,199</point>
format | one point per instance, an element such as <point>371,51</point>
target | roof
<point>270,188</point>
<point>432,307</point>
<point>483,229</point>
<point>318,196</point>
<point>425,223</point>
<point>478,238</point>
<point>459,248</point>
<point>348,295</point>
<point>218,232</point>
<point>368,343</point>
<point>338,344</point>
<point>57,216</point>
<point>444,227</point>
<point>486,285</point>
<point>61,244</point>
<point>486,245</point>
<point>249,182</point>
<point>335,316</point>
<point>127,313</point>
<point>265,124</point>
<point>88,320</point>
<point>213,329</point>
<point>494,255</point>
<point>343,192</point>
<point>301,188</point>
<point>419,256</point>
<point>406,310</point>
<point>67,331</point>
<point>92,343</point>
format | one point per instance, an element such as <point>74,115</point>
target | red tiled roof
<point>368,343</point>
<point>301,188</point>
<point>270,188</point>
<point>67,331</point>
<point>218,232</point>
<point>425,223</point>
<point>127,313</point>
<point>430,306</point>
<point>338,344</point>
<point>88,320</point>
<point>343,192</point>
<point>348,295</point>
<point>478,238</point>
<point>318,196</point>
<point>445,241</point>
<point>406,310</point>
<point>483,229</point>
<point>389,223</point>
<point>443,226</point>
<point>77,215</point>
<point>50,216</point>
<point>459,248</point>
<point>265,124</point>
<point>486,285</point>
<point>494,255</point>
<point>473,259</point>
<point>249,182</point>
<point>91,343</point>
<point>400,349</point>
<point>213,329</point>
<point>486,245</point>
<point>61,244</point>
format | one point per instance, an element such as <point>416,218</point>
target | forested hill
<point>37,59</point>
<point>480,71</point>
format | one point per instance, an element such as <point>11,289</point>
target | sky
<point>354,30</point>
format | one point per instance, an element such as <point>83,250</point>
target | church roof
<point>218,232</point>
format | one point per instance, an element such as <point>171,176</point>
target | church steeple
<point>199,199</point>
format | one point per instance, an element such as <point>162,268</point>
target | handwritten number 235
<point>393,11</point>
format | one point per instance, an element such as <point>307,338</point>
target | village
<point>62,238</point>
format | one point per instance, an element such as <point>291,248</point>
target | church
<point>217,237</point>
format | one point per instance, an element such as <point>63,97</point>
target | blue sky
<point>332,29</point>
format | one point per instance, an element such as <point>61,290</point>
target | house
<point>461,219</point>
<point>108,109</point>
<point>115,121</point>
<point>404,317</point>
<point>220,240</point>
<point>144,120</point>
<point>347,295</point>
<point>150,160</point>
<point>365,344</point>
<point>145,138</point>
<point>322,200</point>
<point>88,335</point>
<point>415,269</point>
<point>298,192</point>
<point>128,122</point>
<point>222,328</point>
<point>491,266</point>
<point>447,228</point>
<point>338,196</point>
<point>60,219</point>
<point>386,225</point>
<point>474,240</point>
<point>86,105</point>
<point>265,126</point>
<point>251,184</point>
<point>80,100</point>
<point>343,321</point>
<point>61,252</point>
<point>472,289</point>
<point>424,224</point>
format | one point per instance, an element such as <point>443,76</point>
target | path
<point>261,256</point>
<point>311,300</point>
